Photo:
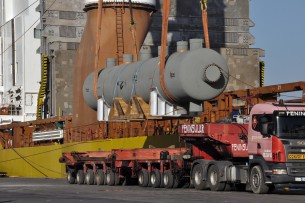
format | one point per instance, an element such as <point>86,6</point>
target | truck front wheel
<point>197,178</point>
<point>257,181</point>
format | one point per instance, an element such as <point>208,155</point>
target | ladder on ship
<point>119,34</point>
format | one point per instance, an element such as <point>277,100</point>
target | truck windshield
<point>291,127</point>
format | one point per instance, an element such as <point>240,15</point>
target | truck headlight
<point>279,171</point>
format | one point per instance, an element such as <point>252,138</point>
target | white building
<point>20,64</point>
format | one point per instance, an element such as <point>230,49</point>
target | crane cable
<point>97,48</point>
<point>204,8</point>
<point>133,32</point>
<point>165,15</point>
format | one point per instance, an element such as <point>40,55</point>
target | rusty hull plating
<point>116,39</point>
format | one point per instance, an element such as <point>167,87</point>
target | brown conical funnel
<point>116,39</point>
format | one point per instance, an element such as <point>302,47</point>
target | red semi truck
<point>267,151</point>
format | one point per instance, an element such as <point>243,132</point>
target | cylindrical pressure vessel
<point>192,76</point>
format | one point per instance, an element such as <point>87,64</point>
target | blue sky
<point>280,31</point>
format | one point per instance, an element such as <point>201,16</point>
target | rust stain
<point>85,57</point>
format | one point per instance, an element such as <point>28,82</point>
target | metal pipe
<point>13,52</point>
<point>110,62</point>
<point>182,46</point>
<point>196,44</point>
<point>145,53</point>
<point>127,58</point>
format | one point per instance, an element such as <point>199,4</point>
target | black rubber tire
<point>197,179</point>
<point>168,179</point>
<point>143,178</point>
<point>257,181</point>
<point>71,177</point>
<point>228,187</point>
<point>176,181</point>
<point>89,177</point>
<point>127,180</point>
<point>155,178</point>
<point>162,181</point>
<point>99,177</point>
<point>213,179</point>
<point>117,180</point>
<point>110,178</point>
<point>80,177</point>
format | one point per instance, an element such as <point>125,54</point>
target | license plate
<point>296,156</point>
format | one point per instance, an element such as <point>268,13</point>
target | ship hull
<point>42,161</point>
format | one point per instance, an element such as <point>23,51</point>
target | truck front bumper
<point>288,180</point>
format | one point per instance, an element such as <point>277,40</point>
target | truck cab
<point>276,146</point>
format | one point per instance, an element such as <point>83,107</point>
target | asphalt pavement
<point>58,190</point>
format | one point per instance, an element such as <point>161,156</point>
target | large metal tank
<point>192,76</point>
<point>115,40</point>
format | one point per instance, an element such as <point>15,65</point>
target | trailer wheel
<point>127,180</point>
<point>257,181</point>
<point>112,178</point>
<point>170,180</point>
<point>117,180</point>
<point>99,177</point>
<point>143,178</point>
<point>89,177</point>
<point>214,179</point>
<point>162,180</point>
<point>197,178</point>
<point>155,178</point>
<point>71,177</point>
<point>80,177</point>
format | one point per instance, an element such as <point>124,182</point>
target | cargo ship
<point>127,100</point>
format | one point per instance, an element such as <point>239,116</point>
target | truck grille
<point>296,169</point>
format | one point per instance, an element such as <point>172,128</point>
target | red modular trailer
<point>268,151</point>
<point>149,166</point>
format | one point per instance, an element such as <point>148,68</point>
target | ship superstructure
<point>20,61</point>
